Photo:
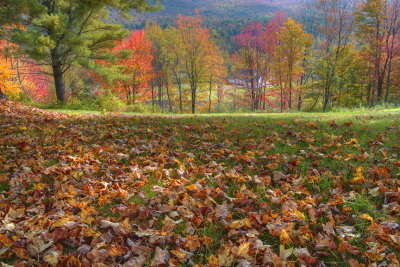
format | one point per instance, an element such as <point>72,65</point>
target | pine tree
<point>61,33</point>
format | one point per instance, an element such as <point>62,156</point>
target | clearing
<point>224,190</point>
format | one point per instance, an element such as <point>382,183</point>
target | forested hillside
<point>215,10</point>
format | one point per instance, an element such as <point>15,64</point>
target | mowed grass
<point>194,164</point>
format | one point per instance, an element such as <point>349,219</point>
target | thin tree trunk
<point>373,92</point>
<point>388,78</point>
<point>380,87</point>
<point>169,99</point>
<point>193,98</point>
<point>2,95</point>
<point>209,97</point>
<point>290,91</point>
<point>280,85</point>
<point>178,81</point>
<point>152,94</point>
<point>299,103</point>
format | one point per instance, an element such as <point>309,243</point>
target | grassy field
<point>212,190</point>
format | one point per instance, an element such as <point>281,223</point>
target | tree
<point>65,33</point>
<point>196,48</point>
<point>6,74</point>
<point>377,27</point>
<point>173,51</point>
<point>249,60</point>
<point>216,70</point>
<point>253,62</point>
<point>156,35</point>
<point>293,42</point>
<point>336,26</point>
<point>134,70</point>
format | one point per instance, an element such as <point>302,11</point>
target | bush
<point>139,108</point>
<point>111,102</point>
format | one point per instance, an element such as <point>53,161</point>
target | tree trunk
<point>2,95</point>
<point>58,81</point>
<point>209,97</point>
<point>280,85</point>
<point>379,88</point>
<point>290,92</point>
<point>178,81</point>
<point>373,92</point>
<point>299,103</point>
<point>193,98</point>
<point>169,99</point>
<point>160,93</point>
<point>388,78</point>
<point>152,94</point>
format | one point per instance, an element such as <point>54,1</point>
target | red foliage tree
<point>133,71</point>
<point>257,44</point>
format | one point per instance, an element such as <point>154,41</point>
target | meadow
<point>291,189</point>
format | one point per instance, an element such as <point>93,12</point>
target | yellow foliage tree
<point>293,43</point>
<point>7,87</point>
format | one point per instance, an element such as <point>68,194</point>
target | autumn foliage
<point>247,191</point>
<point>133,67</point>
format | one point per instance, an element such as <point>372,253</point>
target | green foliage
<point>61,33</point>
<point>106,102</point>
<point>139,108</point>
<point>111,102</point>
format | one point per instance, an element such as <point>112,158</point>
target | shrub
<point>110,102</point>
<point>139,108</point>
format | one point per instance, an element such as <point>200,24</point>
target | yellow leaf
<point>63,220</point>
<point>92,233</point>
<point>359,175</point>
<point>299,215</point>
<point>284,237</point>
<point>40,186</point>
<point>243,250</point>
<point>240,223</point>
<point>212,260</point>
<point>158,175</point>
<point>366,217</point>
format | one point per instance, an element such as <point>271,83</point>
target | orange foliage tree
<point>196,49</point>
<point>129,76</point>
<point>7,85</point>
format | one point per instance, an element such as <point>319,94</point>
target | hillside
<point>216,10</point>
<point>258,190</point>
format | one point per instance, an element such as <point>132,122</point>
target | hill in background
<point>216,10</point>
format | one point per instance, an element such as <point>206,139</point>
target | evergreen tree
<point>62,33</point>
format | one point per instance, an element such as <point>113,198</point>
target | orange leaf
<point>6,241</point>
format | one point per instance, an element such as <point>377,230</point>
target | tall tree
<point>377,27</point>
<point>6,73</point>
<point>173,50</point>
<point>196,48</point>
<point>62,33</point>
<point>216,71</point>
<point>293,42</point>
<point>134,69</point>
<point>336,24</point>
<point>249,60</point>
<point>156,34</point>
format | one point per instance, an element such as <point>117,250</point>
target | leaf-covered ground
<point>280,190</point>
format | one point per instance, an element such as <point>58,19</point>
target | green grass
<point>4,187</point>
<point>285,115</point>
<point>318,153</point>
